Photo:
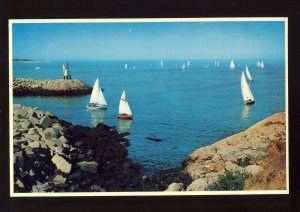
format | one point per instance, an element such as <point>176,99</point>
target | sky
<point>155,40</point>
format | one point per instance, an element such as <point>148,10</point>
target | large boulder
<point>62,164</point>
<point>88,166</point>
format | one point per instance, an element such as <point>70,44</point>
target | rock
<point>97,188</point>
<point>176,187</point>
<point>198,185</point>
<point>253,169</point>
<point>63,139</point>
<point>18,158</point>
<point>34,121</point>
<point>21,113</point>
<point>45,122</point>
<point>59,180</point>
<point>26,125</point>
<point>29,152</point>
<point>76,175</point>
<point>34,144</point>
<point>88,166</point>
<point>34,137</point>
<point>17,106</point>
<point>62,164</point>
<point>20,183</point>
<point>51,133</point>
<point>40,187</point>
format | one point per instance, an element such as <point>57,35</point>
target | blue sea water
<point>187,109</point>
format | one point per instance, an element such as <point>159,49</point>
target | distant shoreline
<point>29,61</point>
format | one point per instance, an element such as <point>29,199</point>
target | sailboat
<point>124,109</point>
<point>161,64</point>
<point>183,66</point>
<point>188,64</point>
<point>246,92</point>
<point>248,74</point>
<point>126,66</point>
<point>97,100</point>
<point>262,64</point>
<point>232,66</point>
<point>258,64</point>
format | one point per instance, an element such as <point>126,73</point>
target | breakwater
<point>59,87</point>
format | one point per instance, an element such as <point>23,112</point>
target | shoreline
<point>58,87</point>
<point>52,155</point>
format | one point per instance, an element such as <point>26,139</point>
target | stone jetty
<point>59,87</point>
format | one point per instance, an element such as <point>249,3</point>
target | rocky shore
<point>258,151</point>
<point>59,87</point>
<point>52,155</point>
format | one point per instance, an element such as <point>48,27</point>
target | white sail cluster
<point>260,64</point>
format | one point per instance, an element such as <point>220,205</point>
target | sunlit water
<point>187,109</point>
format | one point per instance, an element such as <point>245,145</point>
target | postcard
<point>146,107</point>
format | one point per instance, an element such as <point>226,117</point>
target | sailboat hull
<point>125,117</point>
<point>249,102</point>
<point>96,107</point>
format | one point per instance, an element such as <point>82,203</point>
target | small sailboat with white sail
<point>97,100</point>
<point>183,66</point>
<point>161,64</point>
<point>37,68</point>
<point>124,109</point>
<point>246,92</point>
<point>126,66</point>
<point>188,64</point>
<point>258,64</point>
<point>232,66</point>
<point>248,74</point>
<point>262,64</point>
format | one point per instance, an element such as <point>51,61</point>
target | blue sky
<point>164,40</point>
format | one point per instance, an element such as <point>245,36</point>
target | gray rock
<point>29,152</point>
<point>32,131</point>
<point>34,137</point>
<point>20,183</point>
<point>62,139</point>
<point>62,164</point>
<point>34,144</point>
<point>18,157</point>
<point>50,144</point>
<point>76,175</point>
<point>17,106</point>
<point>51,133</point>
<point>40,132</point>
<point>45,122</point>
<point>25,125</point>
<point>21,113</point>
<point>40,187</point>
<point>16,134</point>
<point>34,121</point>
<point>31,113</point>
<point>97,188</point>
<point>59,180</point>
<point>88,166</point>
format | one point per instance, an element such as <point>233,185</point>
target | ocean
<point>185,108</point>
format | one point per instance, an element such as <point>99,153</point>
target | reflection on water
<point>246,112</point>
<point>97,116</point>
<point>125,125</point>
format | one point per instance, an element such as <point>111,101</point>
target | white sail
<point>232,66</point>
<point>95,93</point>
<point>183,66</point>
<point>97,96</point>
<point>258,64</point>
<point>248,74</point>
<point>124,106</point>
<point>126,66</point>
<point>188,64</point>
<point>262,64</point>
<point>161,64</point>
<point>246,92</point>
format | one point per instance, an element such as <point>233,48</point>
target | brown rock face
<point>259,150</point>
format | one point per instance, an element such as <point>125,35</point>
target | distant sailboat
<point>262,64</point>
<point>183,66</point>
<point>97,100</point>
<point>37,68</point>
<point>161,64</point>
<point>248,74</point>
<point>232,66</point>
<point>188,64</point>
<point>258,64</point>
<point>126,66</point>
<point>246,92</point>
<point>124,109</point>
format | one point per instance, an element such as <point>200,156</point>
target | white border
<point>145,20</point>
